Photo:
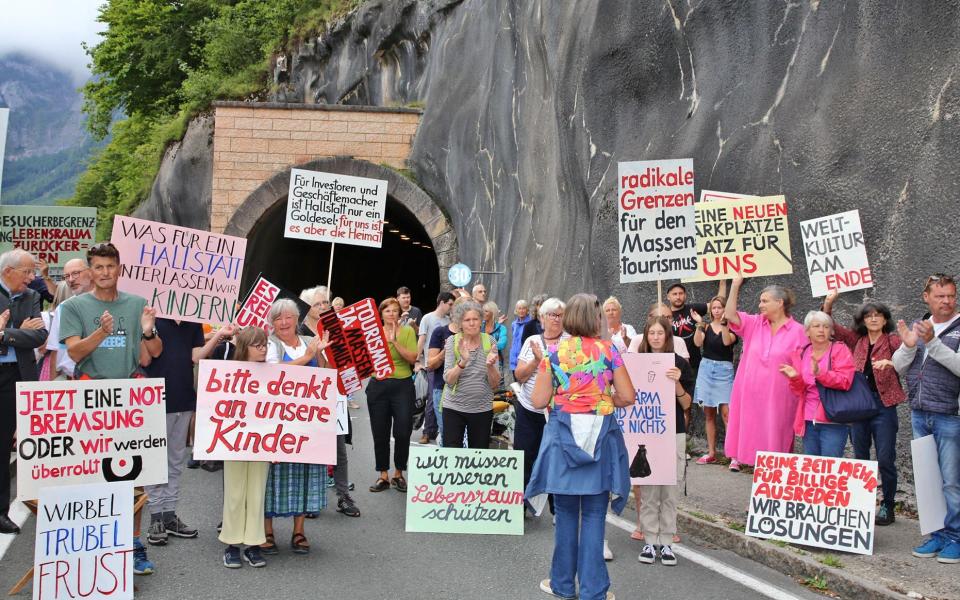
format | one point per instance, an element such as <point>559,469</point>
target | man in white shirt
<point>77,274</point>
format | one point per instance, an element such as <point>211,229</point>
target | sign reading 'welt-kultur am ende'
<point>340,209</point>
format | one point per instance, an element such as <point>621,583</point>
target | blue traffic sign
<point>460,274</point>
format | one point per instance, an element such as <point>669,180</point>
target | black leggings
<point>390,402</point>
<point>476,425</point>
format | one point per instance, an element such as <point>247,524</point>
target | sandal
<point>400,483</point>
<point>380,485</point>
<point>706,459</point>
<point>270,546</point>
<point>637,535</point>
<point>299,545</point>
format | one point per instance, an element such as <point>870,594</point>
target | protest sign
<point>84,546</point>
<point>55,234</point>
<point>265,412</point>
<point>749,236</point>
<point>711,196</point>
<point>814,500</point>
<point>657,229</point>
<point>341,209</point>
<point>463,490</point>
<point>255,308</point>
<point>836,254</point>
<point>928,484</point>
<point>652,420</point>
<point>90,431</point>
<point>184,273</point>
<point>358,346</point>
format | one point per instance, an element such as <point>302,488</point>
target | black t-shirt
<point>532,327</point>
<point>414,314</point>
<point>684,326</point>
<point>687,381</point>
<point>438,340</point>
<point>714,348</point>
<point>175,363</point>
<point>868,370</point>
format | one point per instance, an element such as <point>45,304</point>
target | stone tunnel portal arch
<point>419,262</point>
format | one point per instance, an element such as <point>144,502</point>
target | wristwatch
<point>153,334</point>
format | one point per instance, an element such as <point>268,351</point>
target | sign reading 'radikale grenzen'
<point>91,431</point>
<point>463,490</point>
<point>184,273</point>
<point>657,225</point>
<point>329,207</point>
<point>814,500</point>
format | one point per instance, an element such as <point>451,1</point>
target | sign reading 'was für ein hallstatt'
<point>340,209</point>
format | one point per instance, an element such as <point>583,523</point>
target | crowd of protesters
<point>565,360</point>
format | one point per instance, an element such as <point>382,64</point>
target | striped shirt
<point>472,392</point>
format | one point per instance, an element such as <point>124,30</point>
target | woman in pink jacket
<point>830,365</point>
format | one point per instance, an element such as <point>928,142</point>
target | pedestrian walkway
<point>715,509</point>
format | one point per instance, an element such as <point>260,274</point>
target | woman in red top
<point>830,365</point>
<point>873,343</point>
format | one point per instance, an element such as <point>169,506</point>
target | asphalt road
<point>371,557</point>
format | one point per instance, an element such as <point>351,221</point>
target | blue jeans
<point>825,439</point>
<point>438,415</point>
<point>580,557</point>
<point>881,431</point>
<point>946,432</point>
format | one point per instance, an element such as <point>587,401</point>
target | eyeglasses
<point>72,276</point>
<point>555,316</point>
<point>259,346</point>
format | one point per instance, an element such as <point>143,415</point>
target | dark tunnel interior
<point>406,258</point>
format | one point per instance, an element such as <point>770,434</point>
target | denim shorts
<point>714,383</point>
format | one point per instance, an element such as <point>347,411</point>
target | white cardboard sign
<point>836,254</point>
<point>928,483</point>
<point>341,209</point>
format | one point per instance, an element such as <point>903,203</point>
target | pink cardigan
<point>804,385</point>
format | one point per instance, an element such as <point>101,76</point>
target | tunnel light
<point>404,237</point>
<point>427,247</point>
<point>392,230</point>
<point>415,243</point>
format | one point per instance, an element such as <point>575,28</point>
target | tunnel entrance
<point>418,245</point>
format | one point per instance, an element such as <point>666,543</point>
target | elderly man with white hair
<point>77,274</point>
<point>21,331</point>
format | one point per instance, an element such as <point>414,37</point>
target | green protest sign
<point>463,490</point>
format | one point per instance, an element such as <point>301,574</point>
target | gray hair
<point>817,316</point>
<point>283,305</point>
<point>522,303</point>
<point>13,258</point>
<point>460,311</point>
<point>539,299</point>
<point>781,293</point>
<point>550,304</point>
<point>492,308</point>
<point>315,294</point>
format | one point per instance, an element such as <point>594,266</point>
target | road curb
<point>783,560</point>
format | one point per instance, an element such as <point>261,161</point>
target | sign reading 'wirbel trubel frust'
<point>340,209</point>
<point>657,223</point>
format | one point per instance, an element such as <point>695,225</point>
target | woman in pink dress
<point>762,407</point>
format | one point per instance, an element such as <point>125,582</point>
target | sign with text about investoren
<point>651,421</point>
<point>84,545</point>
<point>656,224</point>
<point>186,274</point>
<point>749,236</point>
<point>266,412</point>
<point>55,234</point>
<point>341,209</point>
<point>836,254</point>
<point>464,490</point>
<point>91,431</point>
<point>814,500</point>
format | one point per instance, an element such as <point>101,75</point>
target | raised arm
<point>730,311</point>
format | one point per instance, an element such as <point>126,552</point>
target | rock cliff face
<point>530,105</point>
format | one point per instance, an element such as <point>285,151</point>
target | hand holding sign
<point>227,331</point>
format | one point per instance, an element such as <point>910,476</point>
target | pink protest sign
<point>184,273</point>
<point>266,412</point>
<point>652,420</point>
<point>256,307</point>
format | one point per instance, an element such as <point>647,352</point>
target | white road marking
<point>762,587</point>
<point>18,513</point>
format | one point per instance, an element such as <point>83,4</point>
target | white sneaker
<point>667,557</point>
<point>648,555</point>
<point>607,552</point>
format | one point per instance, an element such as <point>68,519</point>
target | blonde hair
<point>613,300</point>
